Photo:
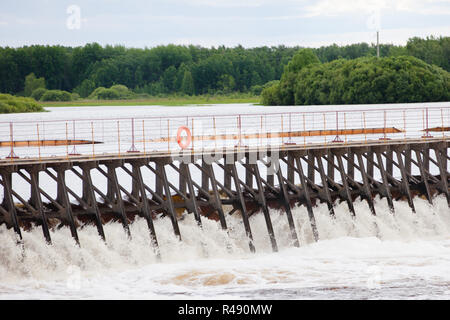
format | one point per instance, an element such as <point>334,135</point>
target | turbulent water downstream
<point>389,256</point>
<point>404,255</point>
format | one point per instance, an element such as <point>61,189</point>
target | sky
<point>250,23</point>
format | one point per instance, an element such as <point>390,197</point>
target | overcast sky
<point>251,23</point>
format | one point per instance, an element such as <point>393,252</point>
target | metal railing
<point>39,140</point>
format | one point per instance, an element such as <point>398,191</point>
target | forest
<point>93,71</point>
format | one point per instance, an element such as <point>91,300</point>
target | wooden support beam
<point>426,158</point>
<point>145,210</point>
<point>116,197</point>
<point>389,163</point>
<point>52,201</point>
<point>92,200</point>
<point>248,174</point>
<point>347,193</point>
<point>311,170</point>
<point>246,187</point>
<point>307,197</point>
<point>407,154</point>
<point>405,183</point>
<point>263,203</point>
<point>351,164</point>
<point>64,201</point>
<point>366,188</point>
<point>158,182</point>
<point>369,156</point>
<point>205,171</point>
<point>290,170</point>
<point>285,199</point>
<point>8,202</point>
<point>205,178</point>
<point>443,173</point>
<point>385,185</point>
<point>134,184</point>
<point>36,201</point>
<point>227,177</point>
<point>182,184</point>
<point>330,164</point>
<point>169,200</point>
<point>184,170</point>
<point>237,185</point>
<point>270,178</point>
<point>424,174</point>
<point>216,197</point>
<point>325,188</point>
<point>199,188</point>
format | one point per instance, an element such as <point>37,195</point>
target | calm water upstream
<point>388,256</point>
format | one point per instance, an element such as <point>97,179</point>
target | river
<point>403,255</point>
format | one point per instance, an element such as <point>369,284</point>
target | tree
<point>301,59</point>
<point>85,88</point>
<point>32,83</point>
<point>226,83</point>
<point>187,85</point>
<point>361,81</point>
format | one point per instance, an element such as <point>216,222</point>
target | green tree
<point>187,85</point>
<point>32,83</point>
<point>85,88</point>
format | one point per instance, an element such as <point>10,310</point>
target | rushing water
<point>402,255</point>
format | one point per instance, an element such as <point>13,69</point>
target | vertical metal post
<point>93,141</point>
<point>168,135</point>
<point>118,137</point>
<point>133,146</point>
<point>12,155</point>
<point>143,136</point>
<point>38,141</point>
<point>67,143</point>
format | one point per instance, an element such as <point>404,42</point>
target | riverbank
<point>160,101</point>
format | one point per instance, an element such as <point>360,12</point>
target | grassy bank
<point>13,104</point>
<point>162,101</point>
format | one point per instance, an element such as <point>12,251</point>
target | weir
<point>242,180</point>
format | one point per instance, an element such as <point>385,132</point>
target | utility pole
<point>378,44</point>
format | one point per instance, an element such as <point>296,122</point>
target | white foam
<point>405,244</point>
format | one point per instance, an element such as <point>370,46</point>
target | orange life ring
<point>187,141</point>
